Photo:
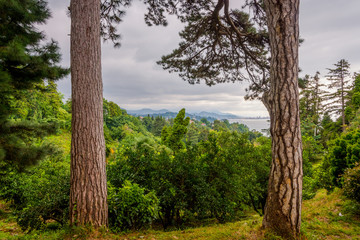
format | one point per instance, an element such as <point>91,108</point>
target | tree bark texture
<point>283,206</point>
<point>88,194</point>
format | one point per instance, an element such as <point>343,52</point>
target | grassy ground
<point>8,226</point>
<point>330,216</point>
<point>327,216</point>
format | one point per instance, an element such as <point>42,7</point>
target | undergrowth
<point>326,216</point>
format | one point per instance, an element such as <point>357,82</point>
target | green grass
<point>8,227</point>
<point>321,219</point>
<point>330,216</point>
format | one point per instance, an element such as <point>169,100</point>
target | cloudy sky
<point>331,29</point>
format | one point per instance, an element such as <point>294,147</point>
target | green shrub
<point>130,207</point>
<point>309,188</point>
<point>344,152</point>
<point>213,178</point>
<point>40,194</point>
<point>45,190</point>
<point>351,184</point>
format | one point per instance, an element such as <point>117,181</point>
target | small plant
<point>130,207</point>
<point>351,184</point>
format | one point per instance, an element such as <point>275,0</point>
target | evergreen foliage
<point>353,105</point>
<point>340,82</point>
<point>24,63</point>
<point>171,136</point>
<point>311,104</point>
<point>219,47</point>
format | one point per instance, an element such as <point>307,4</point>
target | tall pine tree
<point>339,78</point>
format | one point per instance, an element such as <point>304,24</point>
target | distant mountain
<point>217,115</point>
<point>146,111</point>
<point>211,116</point>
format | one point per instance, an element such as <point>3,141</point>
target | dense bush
<point>343,154</point>
<point>351,184</point>
<point>309,187</point>
<point>214,178</point>
<point>43,194</point>
<point>130,207</point>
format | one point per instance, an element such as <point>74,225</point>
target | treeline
<point>171,172</point>
<point>330,124</point>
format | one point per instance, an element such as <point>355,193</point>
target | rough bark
<point>88,194</point>
<point>283,206</point>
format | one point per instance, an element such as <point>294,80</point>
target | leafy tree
<point>118,123</point>
<point>112,110</point>
<point>219,125</point>
<point>260,163</point>
<point>339,78</point>
<point>343,154</point>
<point>203,134</point>
<point>242,128</point>
<point>204,120</point>
<point>130,207</point>
<point>24,64</point>
<point>235,172</point>
<point>148,123</point>
<point>353,104</point>
<point>172,136</point>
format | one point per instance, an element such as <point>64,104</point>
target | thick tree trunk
<point>283,206</point>
<point>88,195</point>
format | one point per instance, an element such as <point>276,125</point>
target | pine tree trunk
<point>88,194</point>
<point>283,206</point>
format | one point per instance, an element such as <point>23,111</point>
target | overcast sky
<point>331,29</point>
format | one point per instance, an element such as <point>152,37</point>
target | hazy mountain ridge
<point>193,115</point>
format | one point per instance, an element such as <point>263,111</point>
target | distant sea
<point>253,123</point>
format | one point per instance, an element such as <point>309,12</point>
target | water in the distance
<point>257,123</point>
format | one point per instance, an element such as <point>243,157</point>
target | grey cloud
<point>331,31</point>
<point>132,79</point>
